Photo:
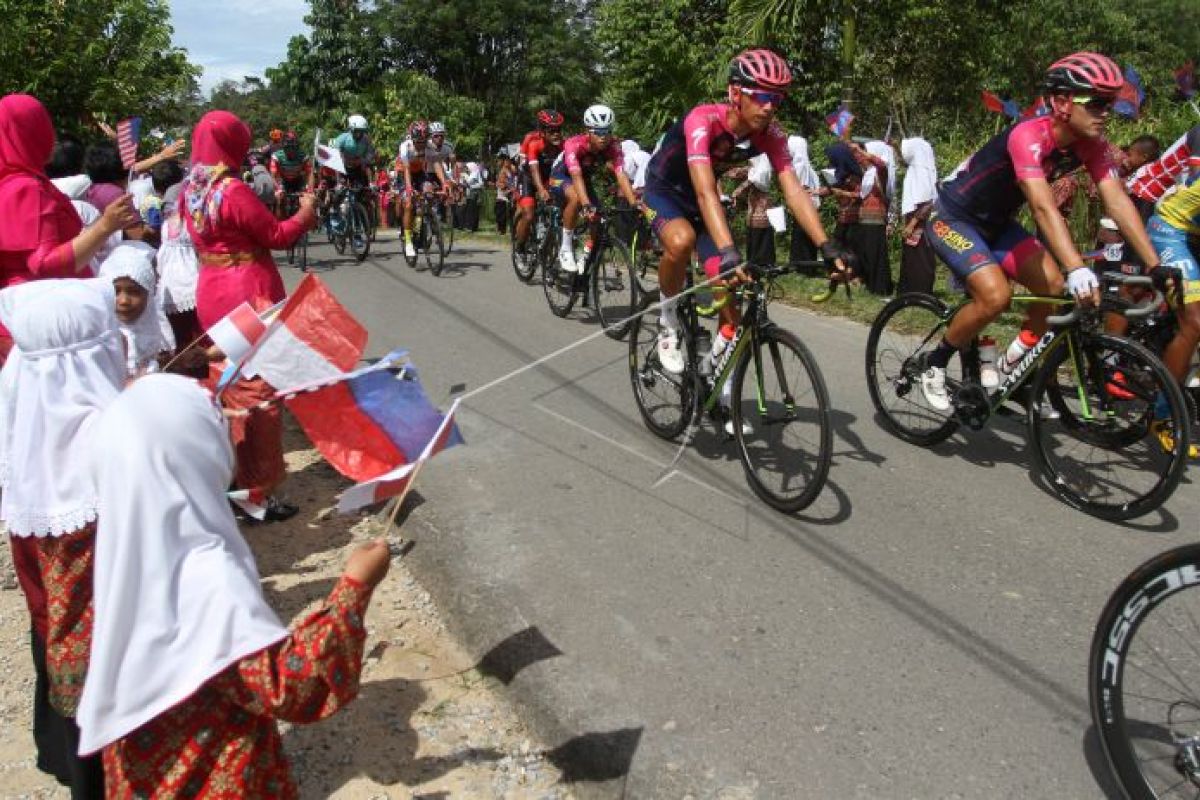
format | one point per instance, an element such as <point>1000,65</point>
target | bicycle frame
<point>754,320</point>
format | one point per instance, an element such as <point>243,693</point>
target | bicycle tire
<point>525,263</point>
<point>358,232</point>
<point>612,293</point>
<point>900,334</point>
<point>668,403</point>
<point>449,238</point>
<point>1147,612</point>
<point>561,288</point>
<point>1148,473</point>
<point>788,476</point>
<point>435,250</point>
<point>303,266</point>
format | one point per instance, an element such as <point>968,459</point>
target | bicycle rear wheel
<point>358,232</point>
<point>612,293</point>
<point>435,248</point>
<point>1143,674</point>
<point>1100,455</point>
<point>524,259</point>
<point>449,237</point>
<point>666,402</point>
<point>780,411</point>
<point>905,332</point>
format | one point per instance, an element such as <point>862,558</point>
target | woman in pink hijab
<point>234,233</point>
<point>40,233</point>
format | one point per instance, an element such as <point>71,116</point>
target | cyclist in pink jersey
<point>683,202</point>
<point>973,227</point>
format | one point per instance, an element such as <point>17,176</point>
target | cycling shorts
<point>965,248</point>
<point>1176,250</point>
<point>663,207</point>
<point>427,182</point>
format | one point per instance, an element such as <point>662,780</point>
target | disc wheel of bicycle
<point>667,402</point>
<point>903,334</point>
<point>1101,456</point>
<point>560,286</point>
<point>358,232</point>
<point>435,247</point>
<point>524,260</point>
<point>780,412</point>
<point>611,288</point>
<point>1144,676</point>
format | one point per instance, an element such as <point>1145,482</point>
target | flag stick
<point>400,500</point>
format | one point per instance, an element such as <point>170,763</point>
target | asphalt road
<point>921,631</point>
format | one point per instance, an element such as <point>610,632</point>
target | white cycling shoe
<point>409,250</point>
<point>933,386</point>
<point>566,262</point>
<point>669,353</point>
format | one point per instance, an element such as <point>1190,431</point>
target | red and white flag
<point>312,339</point>
<point>398,480</point>
<point>129,132</point>
<point>238,332</point>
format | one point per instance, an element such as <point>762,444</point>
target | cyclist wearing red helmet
<point>682,200</point>
<point>974,227</point>
<point>538,150</point>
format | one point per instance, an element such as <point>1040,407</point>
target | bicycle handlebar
<point>1137,312</point>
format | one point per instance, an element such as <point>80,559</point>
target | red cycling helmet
<point>419,131</point>
<point>549,118</point>
<point>290,139</point>
<point>762,68</point>
<point>1085,73</point>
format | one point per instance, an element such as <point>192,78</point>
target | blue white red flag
<point>129,133</point>
<point>993,103</point>
<point>839,121</point>
<point>1132,94</point>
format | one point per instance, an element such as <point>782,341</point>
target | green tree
<point>261,105</point>
<point>106,58</point>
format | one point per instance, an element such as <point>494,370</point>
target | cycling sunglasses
<point>1096,105</point>
<point>763,97</point>
<point>600,131</point>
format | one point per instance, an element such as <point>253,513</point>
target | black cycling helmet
<point>1090,73</point>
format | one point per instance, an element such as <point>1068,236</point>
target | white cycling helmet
<point>598,118</point>
<point>437,129</point>
<point>358,122</point>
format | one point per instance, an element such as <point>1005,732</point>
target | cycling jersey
<point>292,174</point>
<point>1182,209</point>
<point>411,157</point>
<point>986,191</point>
<point>355,153</point>
<point>1153,180</point>
<point>703,137</point>
<point>578,155</point>
<point>536,147</point>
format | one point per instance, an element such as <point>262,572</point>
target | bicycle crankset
<point>971,405</point>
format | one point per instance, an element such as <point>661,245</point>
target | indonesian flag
<point>129,132</point>
<point>329,157</point>
<point>312,339</point>
<point>252,501</point>
<point>398,480</point>
<point>238,332</point>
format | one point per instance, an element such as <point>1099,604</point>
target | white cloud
<point>233,38</point>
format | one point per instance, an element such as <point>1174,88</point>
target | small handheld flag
<point>129,132</point>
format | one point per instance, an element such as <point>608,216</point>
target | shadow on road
<point>522,649</point>
<point>596,757</point>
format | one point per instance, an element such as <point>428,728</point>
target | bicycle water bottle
<point>703,344</point>
<point>1017,350</point>
<point>724,334</point>
<point>989,376</point>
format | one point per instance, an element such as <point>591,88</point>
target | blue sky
<point>232,38</point>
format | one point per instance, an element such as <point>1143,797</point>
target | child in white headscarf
<point>66,365</point>
<point>190,666</point>
<point>148,337</point>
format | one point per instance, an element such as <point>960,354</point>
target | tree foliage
<point>109,58</point>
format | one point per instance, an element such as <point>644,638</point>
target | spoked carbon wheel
<point>525,259</point>
<point>358,232</point>
<point>561,287</point>
<point>1144,678</point>
<point>667,402</point>
<point>435,245</point>
<point>905,332</point>
<point>780,411</point>
<point>612,293</point>
<point>1103,455</point>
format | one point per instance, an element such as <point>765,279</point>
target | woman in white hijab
<point>918,264</point>
<point>874,218</point>
<point>190,666</point>
<point>66,364</point>
<point>147,333</point>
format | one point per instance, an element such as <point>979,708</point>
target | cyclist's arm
<point>626,188</point>
<point>1120,208</point>
<point>1050,223</point>
<point>440,169</point>
<point>799,202</point>
<point>408,187</point>
<point>535,172</point>
<point>708,197</point>
<point>580,185</point>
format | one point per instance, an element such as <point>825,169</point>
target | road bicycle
<point>348,224</point>
<point>1095,449</point>
<point>291,205</point>
<point>427,235</point>
<point>605,281</point>
<point>776,398</point>
<point>547,220</point>
<point>1144,678</point>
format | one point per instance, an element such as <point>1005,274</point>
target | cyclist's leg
<point>1173,248</point>
<point>525,207</point>
<point>562,191</point>
<point>678,235</point>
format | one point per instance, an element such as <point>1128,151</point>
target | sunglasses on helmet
<point>763,97</point>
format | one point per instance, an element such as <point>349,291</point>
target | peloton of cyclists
<point>421,167</point>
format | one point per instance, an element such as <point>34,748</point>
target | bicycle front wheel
<point>905,332</point>
<point>1144,675</point>
<point>1099,451</point>
<point>558,284</point>
<point>780,410</point>
<point>358,232</point>
<point>435,247</point>
<point>667,402</point>
<point>612,294</point>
